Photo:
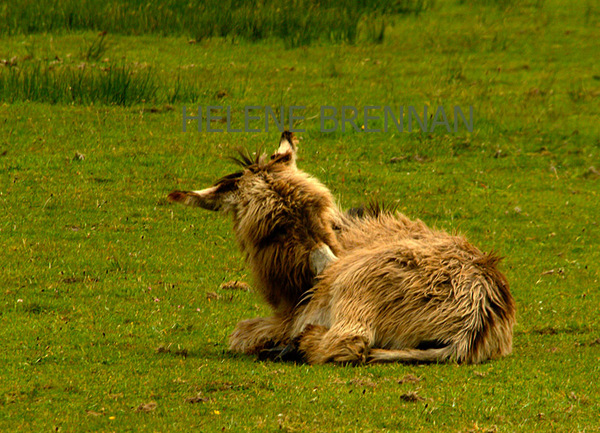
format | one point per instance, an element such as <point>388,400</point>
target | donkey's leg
<point>338,344</point>
<point>253,335</point>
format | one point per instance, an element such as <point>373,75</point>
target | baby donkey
<point>375,288</point>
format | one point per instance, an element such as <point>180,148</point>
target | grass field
<point>111,310</point>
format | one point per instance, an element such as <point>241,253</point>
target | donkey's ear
<point>209,198</point>
<point>287,145</point>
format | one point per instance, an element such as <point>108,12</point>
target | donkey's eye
<point>227,186</point>
<point>229,182</point>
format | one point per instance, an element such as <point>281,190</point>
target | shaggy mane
<point>257,160</point>
<point>374,208</point>
<point>245,159</point>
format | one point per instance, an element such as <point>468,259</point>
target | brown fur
<point>398,291</point>
<point>277,233</point>
<point>403,287</point>
<point>281,216</point>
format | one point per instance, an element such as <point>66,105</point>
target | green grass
<point>110,296</point>
<point>297,23</point>
<point>113,84</point>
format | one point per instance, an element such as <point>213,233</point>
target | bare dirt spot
<point>410,378</point>
<point>235,285</point>
<point>411,397</point>
<point>198,398</point>
<point>146,407</point>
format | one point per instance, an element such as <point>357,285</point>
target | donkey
<point>354,289</point>
<point>284,221</point>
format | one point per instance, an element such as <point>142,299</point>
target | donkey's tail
<point>411,355</point>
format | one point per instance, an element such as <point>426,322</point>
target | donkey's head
<point>282,217</point>
<point>235,190</point>
<point>268,197</point>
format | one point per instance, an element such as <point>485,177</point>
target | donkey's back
<point>406,293</point>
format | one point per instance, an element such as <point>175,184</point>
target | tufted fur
<point>282,217</point>
<point>386,289</point>
<point>400,291</point>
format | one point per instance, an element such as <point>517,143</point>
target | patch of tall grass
<point>88,84</point>
<point>296,22</point>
